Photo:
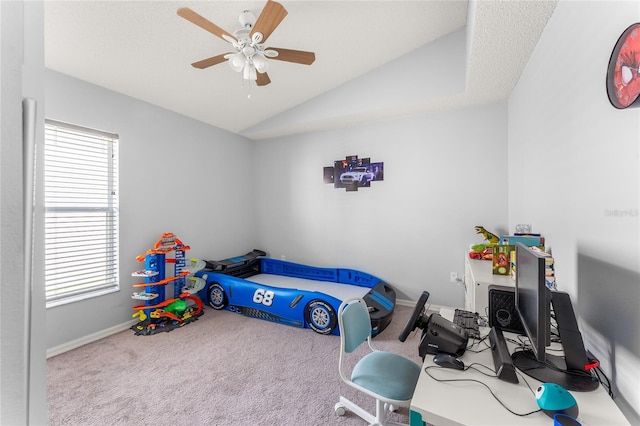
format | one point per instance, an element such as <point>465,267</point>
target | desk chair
<point>389,378</point>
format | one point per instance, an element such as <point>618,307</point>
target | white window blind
<point>81,212</point>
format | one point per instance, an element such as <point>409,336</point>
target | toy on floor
<point>293,294</point>
<point>160,313</point>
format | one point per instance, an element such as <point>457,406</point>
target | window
<point>81,213</point>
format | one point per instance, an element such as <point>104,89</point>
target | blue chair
<point>389,378</point>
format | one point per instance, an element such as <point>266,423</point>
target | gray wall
<point>574,175</point>
<point>22,350</point>
<point>176,175</point>
<point>444,174</point>
<point>412,82</point>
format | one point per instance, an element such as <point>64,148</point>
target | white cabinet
<point>478,276</point>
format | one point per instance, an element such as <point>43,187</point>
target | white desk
<point>470,403</point>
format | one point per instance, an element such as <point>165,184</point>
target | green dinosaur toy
<point>491,238</point>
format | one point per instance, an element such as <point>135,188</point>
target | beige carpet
<point>224,369</point>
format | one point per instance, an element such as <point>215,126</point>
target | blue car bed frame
<point>293,294</point>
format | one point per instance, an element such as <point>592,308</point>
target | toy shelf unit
<point>161,312</point>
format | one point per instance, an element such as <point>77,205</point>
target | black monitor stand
<point>567,371</point>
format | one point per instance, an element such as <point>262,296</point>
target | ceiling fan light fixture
<point>261,63</point>
<point>237,62</point>
<point>249,55</point>
<point>248,51</point>
<point>249,72</point>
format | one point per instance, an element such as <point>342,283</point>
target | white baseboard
<point>409,303</point>
<point>412,303</point>
<point>89,339</point>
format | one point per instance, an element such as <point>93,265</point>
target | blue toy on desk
<point>553,399</point>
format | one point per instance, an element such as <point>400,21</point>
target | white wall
<point>22,351</point>
<point>176,175</point>
<point>410,83</point>
<point>444,174</point>
<point>574,174</point>
<point>13,369</point>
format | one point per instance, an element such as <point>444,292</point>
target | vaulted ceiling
<point>143,49</point>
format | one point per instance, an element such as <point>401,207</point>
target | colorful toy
<point>484,251</point>
<point>159,313</point>
<point>553,399</point>
<point>490,238</point>
<point>481,251</point>
<point>144,296</point>
<point>293,294</point>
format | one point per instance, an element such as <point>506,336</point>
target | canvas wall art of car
<point>359,175</point>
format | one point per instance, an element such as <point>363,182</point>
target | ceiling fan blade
<point>202,22</point>
<point>206,63</point>
<point>270,17</point>
<point>263,79</point>
<point>296,56</point>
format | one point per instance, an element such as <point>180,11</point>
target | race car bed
<point>293,294</point>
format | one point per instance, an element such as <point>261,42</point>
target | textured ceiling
<point>144,49</point>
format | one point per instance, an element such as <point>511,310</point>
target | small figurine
<point>492,239</point>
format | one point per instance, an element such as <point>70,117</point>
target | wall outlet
<point>283,257</point>
<point>453,277</point>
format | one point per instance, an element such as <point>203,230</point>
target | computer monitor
<point>532,299</point>
<point>533,303</point>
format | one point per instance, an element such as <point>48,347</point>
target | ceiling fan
<point>249,55</point>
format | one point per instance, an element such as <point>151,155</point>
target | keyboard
<point>468,321</point>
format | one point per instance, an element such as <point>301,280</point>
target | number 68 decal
<point>263,296</point>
